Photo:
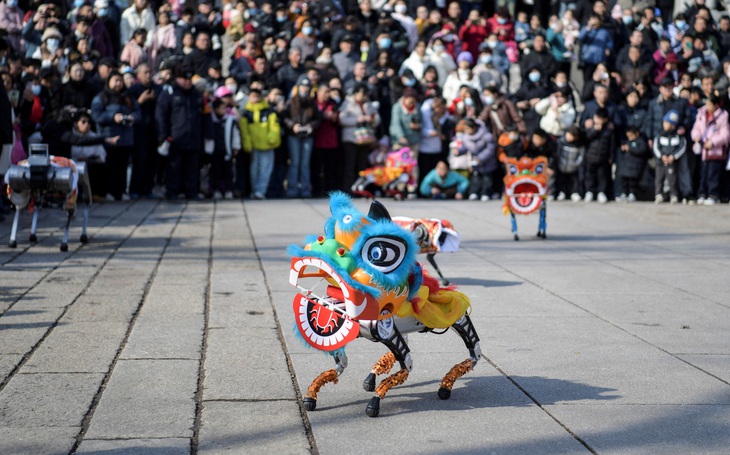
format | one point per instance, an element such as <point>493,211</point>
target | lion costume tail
<point>436,307</point>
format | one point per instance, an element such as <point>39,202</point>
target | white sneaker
<point>622,198</point>
<point>588,197</point>
<point>258,196</point>
<point>673,200</point>
<point>658,199</point>
<point>575,197</point>
<point>109,197</point>
<point>228,195</point>
<point>701,200</point>
<point>473,196</point>
<point>125,197</point>
<point>484,198</point>
<point>631,198</point>
<point>710,201</point>
<point>602,199</point>
<point>561,196</point>
<point>217,195</point>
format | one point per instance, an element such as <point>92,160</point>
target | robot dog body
<point>31,181</point>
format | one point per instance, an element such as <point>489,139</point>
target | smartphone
<point>14,97</point>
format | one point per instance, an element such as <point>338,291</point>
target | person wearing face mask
<point>560,52</point>
<point>500,113</point>
<point>103,30</point>
<point>486,71</point>
<point>441,60</point>
<point>532,90</point>
<point>11,20</point>
<point>306,40</point>
<point>76,92</point>
<point>50,51</point>
<point>462,76</point>
<point>502,25</point>
<point>400,14</point>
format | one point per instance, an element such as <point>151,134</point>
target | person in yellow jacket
<point>261,133</point>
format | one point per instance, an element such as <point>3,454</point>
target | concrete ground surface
<point>171,332</point>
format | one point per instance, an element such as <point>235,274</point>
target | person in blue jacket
<point>596,43</point>
<point>442,183</point>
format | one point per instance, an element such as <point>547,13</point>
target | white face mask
<point>401,9</point>
<point>232,87</point>
<point>52,44</point>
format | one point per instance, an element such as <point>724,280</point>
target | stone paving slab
<point>147,399</point>
<point>164,446</point>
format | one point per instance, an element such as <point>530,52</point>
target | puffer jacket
<point>553,122</point>
<point>634,161</point>
<point>260,127</point>
<point>103,114</point>
<point>350,111</point>
<point>482,146</point>
<point>718,133</point>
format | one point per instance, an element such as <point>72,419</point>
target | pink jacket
<point>11,20</point>
<point>718,134</point>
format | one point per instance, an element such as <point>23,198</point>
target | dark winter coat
<point>599,146</point>
<point>633,162</point>
<point>659,107</point>
<point>179,115</point>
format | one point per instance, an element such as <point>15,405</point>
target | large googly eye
<point>346,219</point>
<point>384,253</point>
<point>512,169</point>
<point>539,169</point>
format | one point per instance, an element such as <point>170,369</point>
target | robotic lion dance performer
<point>392,178</point>
<point>361,279</point>
<point>526,189</point>
<point>32,181</point>
<point>432,235</point>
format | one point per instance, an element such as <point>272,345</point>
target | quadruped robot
<point>33,181</point>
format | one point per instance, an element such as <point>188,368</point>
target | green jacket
<point>260,127</point>
<point>400,121</point>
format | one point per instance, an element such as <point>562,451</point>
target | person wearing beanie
<point>463,76</point>
<point>668,148</point>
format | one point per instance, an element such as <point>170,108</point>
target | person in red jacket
<point>502,25</point>
<point>473,33</point>
<point>327,155</point>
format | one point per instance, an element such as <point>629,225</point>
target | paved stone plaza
<point>171,332</point>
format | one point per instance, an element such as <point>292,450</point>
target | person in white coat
<point>137,16</point>
<point>557,112</point>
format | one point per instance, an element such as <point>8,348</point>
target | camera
<point>604,76</point>
<point>127,120</point>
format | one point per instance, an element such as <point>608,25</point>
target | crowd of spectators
<point>266,99</point>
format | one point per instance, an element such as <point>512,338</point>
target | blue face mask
<point>501,21</point>
<point>281,19</point>
<point>680,24</point>
<point>102,12</point>
<point>409,82</point>
<point>307,30</point>
<point>36,89</point>
<point>627,19</point>
<point>384,43</point>
<point>534,77</point>
<point>488,100</point>
<point>12,3</point>
<point>485,59</point>
<point>78,3</point>
<point>469,102</point>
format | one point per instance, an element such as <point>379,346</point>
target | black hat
<point>47,72</point>
<point>667,81</point>
<point>348,38</point>
<point>185,72</point>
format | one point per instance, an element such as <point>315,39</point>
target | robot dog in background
<point>391,177</point>
<point>433,236</point>
<point>361,279</point>
<point>526,189</point>
<point>31,182</point>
